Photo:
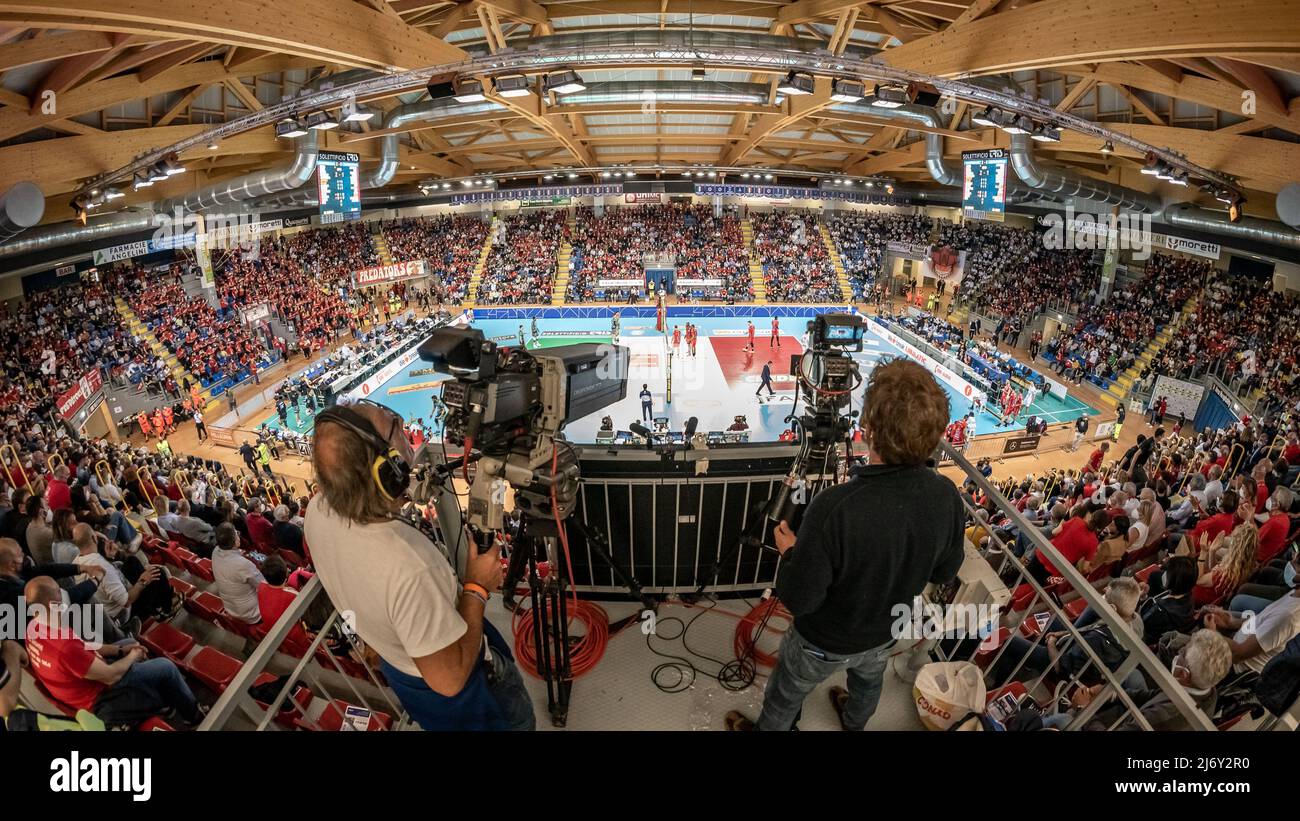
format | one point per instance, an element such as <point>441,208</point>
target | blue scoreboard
<point>338,186</point>
<point>984,193</point>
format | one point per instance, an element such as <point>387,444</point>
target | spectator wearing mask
<point>116,682</point>
<point>287,534</point>
<point>1257,639</point>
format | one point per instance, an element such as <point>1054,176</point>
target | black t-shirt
<point>866,546</point>
<point>645,396</point>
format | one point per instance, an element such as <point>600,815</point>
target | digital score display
<point>984,193</point>
<point>338,185</point>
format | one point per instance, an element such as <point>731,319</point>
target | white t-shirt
<point>113,591</point>
<point>237,581</point>
<point>398,585</point>
<point>1274,626</point>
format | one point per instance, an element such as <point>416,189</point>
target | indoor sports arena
<point>728,365</point>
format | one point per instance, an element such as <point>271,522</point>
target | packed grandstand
<point>465,433</point>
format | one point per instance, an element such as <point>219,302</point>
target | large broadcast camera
<point>510,404</point>
<point>828,376</point>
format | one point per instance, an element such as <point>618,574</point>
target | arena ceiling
<point>87,85</point>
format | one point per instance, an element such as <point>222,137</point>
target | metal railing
<point>1137,656</point>
<point>350,680</point>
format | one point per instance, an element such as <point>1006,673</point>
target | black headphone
<point>390,471</point>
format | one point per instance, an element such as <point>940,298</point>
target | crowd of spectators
<point>299,277</point>
<point>1245,332</point>
<point>795,261</point>
<point>861,239</point>
<point>1009,273</point>
<point>1108,338</point>
<point>449,245</point>
<point>521,265</point>
<point>1194,537</point>
<point>211,343</point>
<point>700,245</point>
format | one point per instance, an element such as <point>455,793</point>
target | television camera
<point>506,407</point>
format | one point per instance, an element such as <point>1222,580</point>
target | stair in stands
<point>380,242</point>
<point>138,328</point>
<point>560,288</point>
<point>1119,390</point>
<point>841,276</point>
<point>476,278</point>
<point>756,278</point>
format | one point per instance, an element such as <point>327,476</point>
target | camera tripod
<point>536,541</point>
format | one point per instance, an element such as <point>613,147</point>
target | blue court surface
<point>716,384</point>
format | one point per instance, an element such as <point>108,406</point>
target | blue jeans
<point>158,681</point>
<point>120,529</point>
<point>1242,603</point>
<point>492,699</point>
<point>801,666</point>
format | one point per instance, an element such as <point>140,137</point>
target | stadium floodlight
<point>320,121</point>
<point>1013,124</point>
<point>212,145</point>
<point>157,173</point>
<point>745,175</point>
<point>847,91</point>
<point>446,185</point>
<point>796,84</point>
<point>1046,134</point>
<point>1152,167</point>
<point>142,180</point>
<point>352,113</point>
<point>604,173</point>
<point>564,82</point>
<point>767,176</point>
<point>889,97</point>
<point>289,127</point>
<point>697,74</point>
<point>572,175</point>
<point>987,117</point>
<point>1108,148</point>
<point>1179,179</point>
<point>514,85</point>
<point>113,194</point>
<point>468,90</point>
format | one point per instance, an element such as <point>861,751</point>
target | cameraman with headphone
<point>451,669</point>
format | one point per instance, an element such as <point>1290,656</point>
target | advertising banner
<point>386,274</point>
<point>72,400</point>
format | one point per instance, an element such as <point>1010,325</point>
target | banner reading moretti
<point>387,274</point>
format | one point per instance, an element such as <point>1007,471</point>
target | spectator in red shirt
<point>1273,533</point>
<point>59,495</point>
<point>274,597</point>
<point>1222,522</point>
<point>116,682</point>
<point>1094,461</point>
<point>1077,541</point>
<point>259,528</point>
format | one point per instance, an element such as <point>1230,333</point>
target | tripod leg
<point>541,642</point>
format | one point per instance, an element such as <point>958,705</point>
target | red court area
<point>743,368</point>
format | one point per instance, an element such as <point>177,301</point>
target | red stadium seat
<point>988,648</point>
<point>213,667</point>
<point>1075,608</point>
<point>1144,575</point>
<point>184,588</point>
<point>206,606</point>
<point>200,568</point>
<point>166,641</point>
<point>155,725</point>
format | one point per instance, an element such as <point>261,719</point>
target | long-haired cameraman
<point>451,669</point>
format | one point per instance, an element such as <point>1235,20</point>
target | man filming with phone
<point>864,547</point>
<point>451,669</point>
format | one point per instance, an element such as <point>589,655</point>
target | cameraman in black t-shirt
<point>864,548</point>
